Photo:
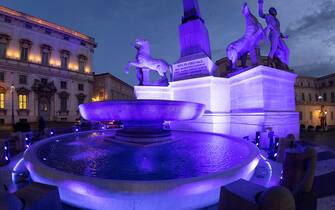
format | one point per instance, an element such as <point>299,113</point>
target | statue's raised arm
<point>260,9</point>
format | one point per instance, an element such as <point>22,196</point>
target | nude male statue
<point>278,46</point>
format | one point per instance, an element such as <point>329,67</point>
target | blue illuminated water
<point>187,155</point>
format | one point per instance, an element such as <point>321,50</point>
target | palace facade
<point>108,87</point>
<point>45,69</point>
<point>315,100</point>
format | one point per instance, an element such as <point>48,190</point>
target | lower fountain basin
<point>187,172</point>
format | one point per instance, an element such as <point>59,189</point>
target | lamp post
<point>12,89</point>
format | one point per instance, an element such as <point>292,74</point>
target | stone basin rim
<point>141,110</point>
<point>30,156</point>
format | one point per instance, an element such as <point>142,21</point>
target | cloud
<point>321,20</point>
<point>317,69</point>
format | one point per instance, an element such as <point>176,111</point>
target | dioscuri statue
<point>145,63</point>
<point>278,50</point>
<point>254,33</point>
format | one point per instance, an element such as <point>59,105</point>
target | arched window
<point>45,54</point>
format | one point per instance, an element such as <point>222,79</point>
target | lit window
<point>22,101</point>
<point>2,100</point>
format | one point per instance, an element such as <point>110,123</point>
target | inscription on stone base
<point>192,69</point>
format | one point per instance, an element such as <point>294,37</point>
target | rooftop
<point>35,20</point>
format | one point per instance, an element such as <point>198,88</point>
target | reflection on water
<point>192,155</point>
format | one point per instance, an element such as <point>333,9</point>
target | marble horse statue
<point>248,43</point>
<point>145,63</point>
<point>278,50</point>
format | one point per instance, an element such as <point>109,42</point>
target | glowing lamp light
<point>76,129</point>
<point>103,127</point>
<point>27,141</point>
<point>52,132</point>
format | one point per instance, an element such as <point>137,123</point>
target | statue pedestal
<point>251,101</point>
<point>193,66</point>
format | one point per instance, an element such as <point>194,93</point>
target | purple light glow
<point>141,110</point>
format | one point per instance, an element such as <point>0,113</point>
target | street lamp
<point>12,89</point>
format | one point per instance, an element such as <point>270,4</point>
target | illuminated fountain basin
<point>143,119</point>
<point>93,171</point>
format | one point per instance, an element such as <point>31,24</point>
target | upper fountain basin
<point>141,110</point>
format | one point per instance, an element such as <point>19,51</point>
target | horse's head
<point>142,46</point>
<point>245,9</point>
<point>140,43</point>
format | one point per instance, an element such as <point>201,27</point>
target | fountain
<point>138,167</point>
<point>142,119</point>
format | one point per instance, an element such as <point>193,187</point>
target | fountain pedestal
<point>250,101</point>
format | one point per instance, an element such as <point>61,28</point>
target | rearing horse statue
<point>144,62</point>
<point>254,33</point>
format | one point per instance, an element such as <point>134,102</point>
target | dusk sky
<point>116,23</point>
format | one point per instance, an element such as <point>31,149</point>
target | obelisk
<point>195,51</point>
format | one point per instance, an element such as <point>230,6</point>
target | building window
<point>316,97</point>
<point>24,54</point>
<point>311,115</point>
<point>300,116</point>
<point>331,83</point>
<point>303,96</point>
<point>2,121</point>
<point>22,101</point>
<point>45,58</point>
<point>63,85</point>
<point>2,76</point>
<point>25,46</point>
<point>64,58</point>
<point>81,98</point>
<point>82,60</point>
<point>45,54</point>
<point>325,97</point>
<point>23,79</point>
<point>63,96</point>
<point>44,80</point>
<point>3,49</point>
<point>63,104</point>
<point>333,97</point>
<point>2,100</point>
<point>332,115</point>
<point>81,87</point>
<point>4,41</point>
<point>310,97</point>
